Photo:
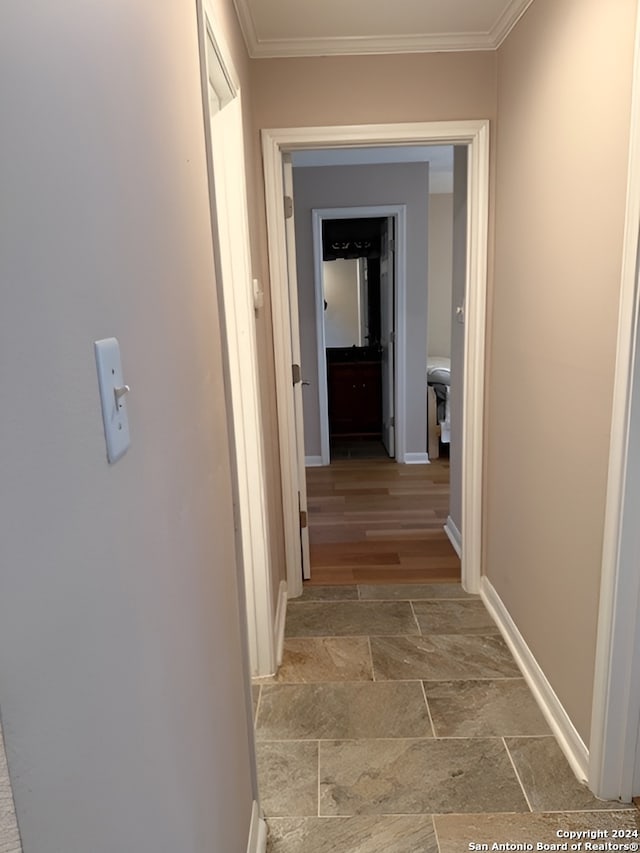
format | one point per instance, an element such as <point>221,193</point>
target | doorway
<point>360,284</point>
<point>475,136</point>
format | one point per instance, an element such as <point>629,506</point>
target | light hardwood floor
<point>374,521</point>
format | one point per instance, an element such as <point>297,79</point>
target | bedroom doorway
<point>472,136</point>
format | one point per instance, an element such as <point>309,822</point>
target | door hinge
<point>392,245</point>
<point>303,519</point>
<point>392,421</point>
<point>288,207</point>
<point>392,337</point>
<point>296,373</point>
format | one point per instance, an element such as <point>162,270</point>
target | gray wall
<point>356,186</point>
<point>440,239</point>
<point>122,661</point>
<point>459,271</point>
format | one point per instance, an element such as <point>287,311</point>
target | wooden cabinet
<point>355,398</point>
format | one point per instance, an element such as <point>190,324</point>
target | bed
<point>438,404</point>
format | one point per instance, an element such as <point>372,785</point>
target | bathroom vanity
<point>354,381</point>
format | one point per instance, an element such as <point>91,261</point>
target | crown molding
<point>357,45</point>
<point>247,25</point>
<point>507,20</point>
<point>353,45</point>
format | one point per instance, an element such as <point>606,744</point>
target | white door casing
<point>225,153</point>
<point>389,341</point>
<point>475,134</point>
<point>363,300</point>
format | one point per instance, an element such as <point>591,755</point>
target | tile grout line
<point>318,791</point>
<point>415,618</point>
<point>515,770</point>
<point>426,702</point>
<point>392,738</point>
<point>435,832</point>
<point>373,669</point>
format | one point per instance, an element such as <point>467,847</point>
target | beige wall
<point>365,89</point>
<point>124,689</point>
<point>440,273</point>
<point>563,105</point>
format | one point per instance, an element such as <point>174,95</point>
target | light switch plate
<point>112,396</point>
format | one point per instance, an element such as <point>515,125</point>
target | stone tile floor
<point>399,723</point>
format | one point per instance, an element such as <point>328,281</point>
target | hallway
<point>399,723</point>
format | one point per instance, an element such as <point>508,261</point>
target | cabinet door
<point>355,399</point>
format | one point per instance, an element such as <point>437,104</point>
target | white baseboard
<point>565,732</point>
<point>416,458</point>
<point>281,616</point>
<point>455,537</point>
<point>257,832</point>
<point>313,462</point>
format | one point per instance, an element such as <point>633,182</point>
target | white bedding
<point>445,425</point>
<point>439,373</point>
<point>438,370</point>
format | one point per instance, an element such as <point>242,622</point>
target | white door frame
<point>399,212</point>
<point>230,226</point>
<point>474,134</point>
<point>614,748</point>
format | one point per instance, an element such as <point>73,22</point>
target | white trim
<point>415,459</point>
<point>313,462</point>
<point>475,301</point>
<point>616,693</point>
<point>247,25</point>
<point>280,318</point>
<point>230,226</point>
<point>259,48</point>
<point>399,212</point>
<point>281,617</point>
<point>400,352</point>
<point>455,537</point>
<point>475,134</point>
<point>257,831</point>
<point>507,21</point>
<point>341,46</point>
<point>565,732</point>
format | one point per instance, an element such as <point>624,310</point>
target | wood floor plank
<point>374,521</point>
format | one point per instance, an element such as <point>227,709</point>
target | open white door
<point>387,335</point>
<point>231,236</point>
<point>295,369</point>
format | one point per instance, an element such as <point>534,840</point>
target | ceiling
<point>328,27</point>
<point>439,158</point>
